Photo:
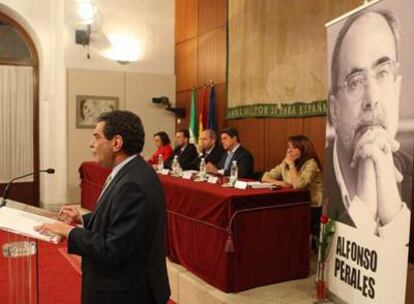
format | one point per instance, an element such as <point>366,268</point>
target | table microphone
<point>7,188</point>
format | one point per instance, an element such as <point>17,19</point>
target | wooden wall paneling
<point>338,8</point>
<point>183,99</point>
<point>212,48</point>
<point>211,14</point>
<point>186,64</point>
<point>251,131</point>
<point>314,128</point>
<point>186,15</point>
<point>276,134</point>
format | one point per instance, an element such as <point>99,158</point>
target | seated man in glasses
<point>365,168</point>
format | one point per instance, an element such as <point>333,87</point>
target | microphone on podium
<point>7,188</point>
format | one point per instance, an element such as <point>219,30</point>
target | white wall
<point>139,90</point>
<point>134,91</point>
<point>150,22</point>
<point>49,24</point>
<point>43,20</point>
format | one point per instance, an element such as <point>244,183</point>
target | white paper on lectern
<point>22,222</point>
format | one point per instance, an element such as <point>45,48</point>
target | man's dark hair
<point>127,125</point>
<point>185,132</point>
<point>165,139</point>
<point>232,132</point>
<point>391,20</point>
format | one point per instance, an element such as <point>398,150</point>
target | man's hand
<point>70,215</point>
<point>377,136</point>
<point>57,228</point>
<point>366,188</point>
<point>373,154</point>
<point>210,168</point>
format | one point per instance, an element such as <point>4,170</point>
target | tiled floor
<point>189,289</point>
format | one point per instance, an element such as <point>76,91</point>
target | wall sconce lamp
<point>163,100</point>
<point>83,37</point>
<point>87,14</point>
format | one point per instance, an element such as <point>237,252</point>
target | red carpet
<point>59,274</point>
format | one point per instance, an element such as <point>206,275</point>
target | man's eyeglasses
<point>384,75</point>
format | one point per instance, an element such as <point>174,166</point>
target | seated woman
<point>301,169</point>
<point>162,142</point>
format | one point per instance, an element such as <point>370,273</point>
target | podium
<point>23,276</point>
<point>21,249</point>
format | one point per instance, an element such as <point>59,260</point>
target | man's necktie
<point>227,162</point>
<point>107,182</point>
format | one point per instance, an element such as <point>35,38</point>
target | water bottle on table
<point>174,166</point>
<point>160,163</point>
<point>202,172</point>
<point>234,171</point>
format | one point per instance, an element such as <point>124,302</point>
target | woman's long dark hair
<point>165,140</point>
<point>307,151</point>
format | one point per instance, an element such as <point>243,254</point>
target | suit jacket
<point>213,157</point>
<point>185,158</point>
<point>336,207</point>
<point>123,243</point>
<point>244,163</point>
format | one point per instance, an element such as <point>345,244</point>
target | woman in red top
<point>162,142</point>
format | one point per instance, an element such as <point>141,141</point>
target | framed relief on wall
<point>88,108</point>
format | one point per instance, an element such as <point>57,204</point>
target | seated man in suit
<point>209,149</point>
<point>185,151</point>
<point>235,151</point>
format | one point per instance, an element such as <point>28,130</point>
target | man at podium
<point>122,241</point>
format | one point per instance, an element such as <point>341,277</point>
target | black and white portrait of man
<point>366,169</point>
<point>90,107</point>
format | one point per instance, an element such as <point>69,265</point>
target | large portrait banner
<point>369,151</point>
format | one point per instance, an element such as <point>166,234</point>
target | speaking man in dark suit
<point>185,151</point>
<point>209,149</point>
<point>235,151</point>
<point>122,241</point>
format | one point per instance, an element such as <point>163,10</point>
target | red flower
<point>324,219</point>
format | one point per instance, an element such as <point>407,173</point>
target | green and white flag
<point>193,119</point>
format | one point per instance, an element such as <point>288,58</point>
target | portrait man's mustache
<point>368,120</point>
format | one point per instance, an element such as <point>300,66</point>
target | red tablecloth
<point>233,239</point>
<point>237,239</point>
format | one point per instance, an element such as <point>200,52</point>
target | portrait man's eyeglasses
<point>383,74</point>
